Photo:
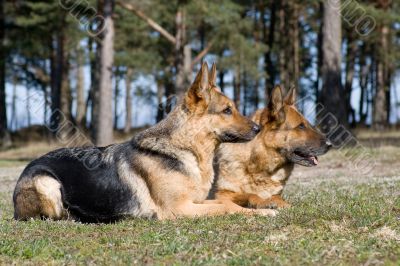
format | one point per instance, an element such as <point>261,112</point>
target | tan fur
<point>192,190</point>
<point>143,192</point>
<point>188,137</point>
<point>254,174</point>
<point>256,116</point>
<point>194,143</point>
<point>40,196</point>
<point>251,169</point>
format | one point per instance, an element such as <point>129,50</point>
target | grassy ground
<point>339,216</point>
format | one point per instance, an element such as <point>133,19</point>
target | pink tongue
<point>314,159</point>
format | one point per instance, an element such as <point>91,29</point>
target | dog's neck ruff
<point>273,158</point>
<point>179,136</point>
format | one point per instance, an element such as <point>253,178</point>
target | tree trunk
<point>245,93</point>
<point>256,97</point>
<point>320,59</point>
<point>388,79</point>
<point>350,63</point>
<point>182,53</point>
<point>202,37</point>
<point>102,120</point>
<point>66,97</point>
<point>269,41</point>
<point>14,122</point>
<point>160,106</point>
<point>236,87</point>
<point>94,81</point>
<point>183,56</point>
<point>364,70</point>
<point>116,96</point>
<point>380,101</point>
<point>389,70</point>
<point>169,92</point>
<point>295,40</point>
<point>5,140</point>
<point>60,92</point>
<point>221,83</point>
<point>28,106</point>
<point>128,100</point>
<point>332,92</point>
<point>45,97</point>
<point>256,35</point>
<point>64,132</point>
<point>54,89</point>
<point>80,90</point>
<point>373,83</point>
<point>283,76</point>
<point>55,85</point>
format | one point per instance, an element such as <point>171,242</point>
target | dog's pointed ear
<point>290,98</point>
<point>274,110</point>
<point>213,75</point>
<point>201,81</point>
<point>276,100</point>
<point>199,91</point>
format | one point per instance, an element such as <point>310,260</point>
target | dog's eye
<point>227,111</point>
<point>301,126</point>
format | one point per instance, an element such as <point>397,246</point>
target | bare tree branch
<point>149,21</point>
<point>202,53</point>
<point>36,73</point>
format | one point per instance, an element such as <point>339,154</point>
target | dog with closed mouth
<point>253,174</point>
<point>164,172</point>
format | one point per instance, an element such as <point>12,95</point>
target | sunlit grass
<point>339,219</point>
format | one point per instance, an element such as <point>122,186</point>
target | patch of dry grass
<point>28,152</point>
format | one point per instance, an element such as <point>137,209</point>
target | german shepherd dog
<point>253,174</point>
<point>164,172</point>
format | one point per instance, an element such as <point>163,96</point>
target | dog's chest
<point>281,175</point>
<point>201,176</point>
<point>273,184</point>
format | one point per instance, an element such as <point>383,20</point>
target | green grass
<point>346,220</point>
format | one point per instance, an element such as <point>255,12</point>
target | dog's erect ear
<point>199,91</point>
<point>274,110</point>
<point>201,81</point>
<point>213,75</point>
<point>290,98</point>
<point>276,100</point>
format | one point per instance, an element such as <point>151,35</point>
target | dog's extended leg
<point>252,200</point>
<point>235,208</point>
<point>217,207</point>
<point>274,201</point>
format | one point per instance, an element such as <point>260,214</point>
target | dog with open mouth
<point>164,172</point>
<point>254,174</point>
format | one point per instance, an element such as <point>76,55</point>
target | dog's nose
<point>256,128</point>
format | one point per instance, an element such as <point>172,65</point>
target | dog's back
<point>164,172</point>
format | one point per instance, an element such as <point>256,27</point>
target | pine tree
<point>102,120</point>
<point>381,101</point>
<point>5,140</point>
<point>332,90</point>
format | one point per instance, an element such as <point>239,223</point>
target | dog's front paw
<point>283,204</point>
<point>266,212</point>
<point>274,203</point>
<point>269,205</point>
